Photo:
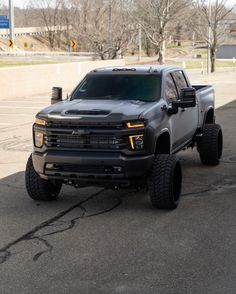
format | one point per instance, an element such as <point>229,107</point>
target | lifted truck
<point>121,127</point>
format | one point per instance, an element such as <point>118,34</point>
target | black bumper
<point>93,167</point>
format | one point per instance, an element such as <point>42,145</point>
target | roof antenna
<point>151,69</point>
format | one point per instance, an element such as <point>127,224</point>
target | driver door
<point>183,124</point>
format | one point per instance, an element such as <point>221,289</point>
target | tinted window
<point>170,89</point>
<point>130,87</point>
<point>179,80</point>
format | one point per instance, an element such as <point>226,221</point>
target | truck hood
<point>100,109</point>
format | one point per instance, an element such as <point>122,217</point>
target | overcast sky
<point>21,3</point>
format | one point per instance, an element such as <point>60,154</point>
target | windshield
<point>125,87</point>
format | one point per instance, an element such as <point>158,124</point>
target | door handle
<point>164,108</point>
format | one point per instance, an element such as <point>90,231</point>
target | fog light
<point>136,142</point>
<point>38,139</point>
<point>50,165</point>
<point>117,169</point>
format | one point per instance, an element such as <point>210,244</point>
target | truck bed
<point>201,87</point>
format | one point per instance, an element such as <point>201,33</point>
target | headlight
<point>38,139</point>
<point>136,142</point>
<point>40,122</point>
<point>136,124</point>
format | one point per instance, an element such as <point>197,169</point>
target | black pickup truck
<point>121,128</point>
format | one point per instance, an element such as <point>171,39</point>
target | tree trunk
<point>51,39</point>
<point>161,52</point>
<point>148,48</point>
<point>59,33</point>
<point>178,35</point>
<point>213,58</point>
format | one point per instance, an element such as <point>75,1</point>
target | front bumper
<point>97,168</point>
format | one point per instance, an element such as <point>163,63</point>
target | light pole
<point>209,38</point>
<point>11,14</point>
<point>110,24</point>
<point>139,42</point>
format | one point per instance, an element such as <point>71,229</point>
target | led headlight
<point>40,122</point>
<point>137,124</point>
<point>136,142</point>
<point>38,139</point>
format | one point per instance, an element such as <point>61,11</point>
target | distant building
<point>226,51</point>
<point>232,28</point>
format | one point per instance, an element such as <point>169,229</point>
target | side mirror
<point>187,98</point>
<point>56,95</point>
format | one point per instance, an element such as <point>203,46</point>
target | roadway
<point>42,57</point>
<point>96,241</point>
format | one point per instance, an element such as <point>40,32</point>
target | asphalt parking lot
<point>102,241</point>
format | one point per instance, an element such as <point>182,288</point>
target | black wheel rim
<point>177,182</point>
<point>220,144</point>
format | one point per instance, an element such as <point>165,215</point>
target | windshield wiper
<point>108,97</point>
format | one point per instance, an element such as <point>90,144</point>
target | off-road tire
<point>38,188</point>
<point>165,181</point>
<point>210,145</point>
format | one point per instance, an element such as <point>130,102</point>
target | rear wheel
<point>210,145</point>
<point>38,188</point>
<point>165,181</point>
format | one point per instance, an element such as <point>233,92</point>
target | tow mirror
<point>56,95</point>
<point>187,98</point>
<point>188,95</point>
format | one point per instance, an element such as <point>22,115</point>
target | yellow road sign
<point>73,44</point>
<point>10,44</point>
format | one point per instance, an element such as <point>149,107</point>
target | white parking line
<point>19,107</point>
<point>17,114</point>
<point>24,101</point>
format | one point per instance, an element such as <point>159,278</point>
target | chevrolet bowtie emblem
<point>80,133</point>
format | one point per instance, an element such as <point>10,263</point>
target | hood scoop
<point>87,112</point>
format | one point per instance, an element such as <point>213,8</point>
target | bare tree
<point>212,18</point>
<point>155,17</point>
<point>106,27</point>
<point>49,11</point>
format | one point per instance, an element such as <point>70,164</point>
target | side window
<point>180,80</point>
<point>170,89</point>
<point>81,89</point>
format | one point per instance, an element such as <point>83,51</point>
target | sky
<point>21,3</point>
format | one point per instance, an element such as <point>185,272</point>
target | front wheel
<point>165,181</point>
<point>38,188</point>
<point>210,145</point>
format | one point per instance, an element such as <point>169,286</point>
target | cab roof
<point>135,69</point>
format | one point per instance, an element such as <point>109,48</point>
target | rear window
<point>125,87</point>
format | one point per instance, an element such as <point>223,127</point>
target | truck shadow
<point>57,217</point>
<point>73,208</point>
<point>199,179</point>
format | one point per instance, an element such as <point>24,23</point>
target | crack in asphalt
<point>5,252</point>
<point>11,186</point>
<point>48,249</point>
<point>231,158</point>
<point>220,188</point>
<point>215,187</point>
<point>197,192</point>
<point>13,128</point>
<point>54,222</point>
<point>16,143</point>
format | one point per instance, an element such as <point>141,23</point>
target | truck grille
<point>63,139</point>
<point>67,124</point>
